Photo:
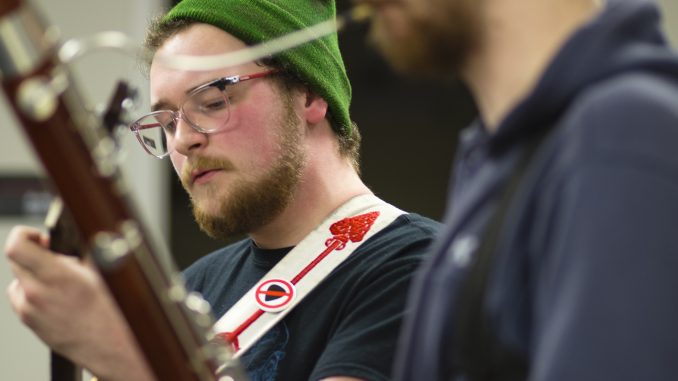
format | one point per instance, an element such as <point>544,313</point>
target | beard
<point>428,41</point>
<point>251,204</point>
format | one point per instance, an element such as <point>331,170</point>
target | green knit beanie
<point>317,63</point>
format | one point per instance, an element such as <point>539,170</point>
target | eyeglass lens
<point>205,110</point>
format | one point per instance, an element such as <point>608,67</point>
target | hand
<point>66,304</point>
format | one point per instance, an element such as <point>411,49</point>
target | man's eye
<point>170,126</point>
<point>213,105</point>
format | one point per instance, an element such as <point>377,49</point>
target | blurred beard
<point>433,41</point>
<point>251,204</point>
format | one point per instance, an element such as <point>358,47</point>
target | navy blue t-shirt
<point>347,326</point>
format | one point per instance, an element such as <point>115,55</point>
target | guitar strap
<point>303,268</point>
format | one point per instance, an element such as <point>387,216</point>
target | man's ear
<point>315,108</point>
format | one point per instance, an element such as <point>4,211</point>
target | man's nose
<point>187,138</point>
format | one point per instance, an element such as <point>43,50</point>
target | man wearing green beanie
<point>316,291</point>
<point>319,63</point>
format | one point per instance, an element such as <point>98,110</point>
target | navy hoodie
<point>585,279</point>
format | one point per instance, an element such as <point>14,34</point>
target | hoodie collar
<point>625,36</point>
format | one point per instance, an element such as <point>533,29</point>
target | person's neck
<point>521,39</point>
<point>323,189</point>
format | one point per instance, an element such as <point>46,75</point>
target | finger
<point>26,247</point>
<point>27,233</point>
<point>30,290</point>
<point>18,302</point>
<point>32,316</point>
<point>15,293</point>
<point>63,273</point>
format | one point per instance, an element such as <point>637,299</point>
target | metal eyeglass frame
<point>219,83</point>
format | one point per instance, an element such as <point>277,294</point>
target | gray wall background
<point>22,356</point>
<point>670,9</point>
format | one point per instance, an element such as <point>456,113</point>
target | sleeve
<point>606,305</point>
<point>365,339</point>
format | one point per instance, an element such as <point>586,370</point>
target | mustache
<point>202,163</point>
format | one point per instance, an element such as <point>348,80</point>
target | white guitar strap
<point>303,268</point>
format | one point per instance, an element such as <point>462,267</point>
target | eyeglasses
<point>206,110</point>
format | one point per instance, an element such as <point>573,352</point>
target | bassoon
<point>63,234</point>
<point>171,326</point>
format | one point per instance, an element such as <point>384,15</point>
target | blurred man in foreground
<point>560,253</point>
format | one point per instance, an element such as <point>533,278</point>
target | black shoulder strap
<point>480,355</point>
